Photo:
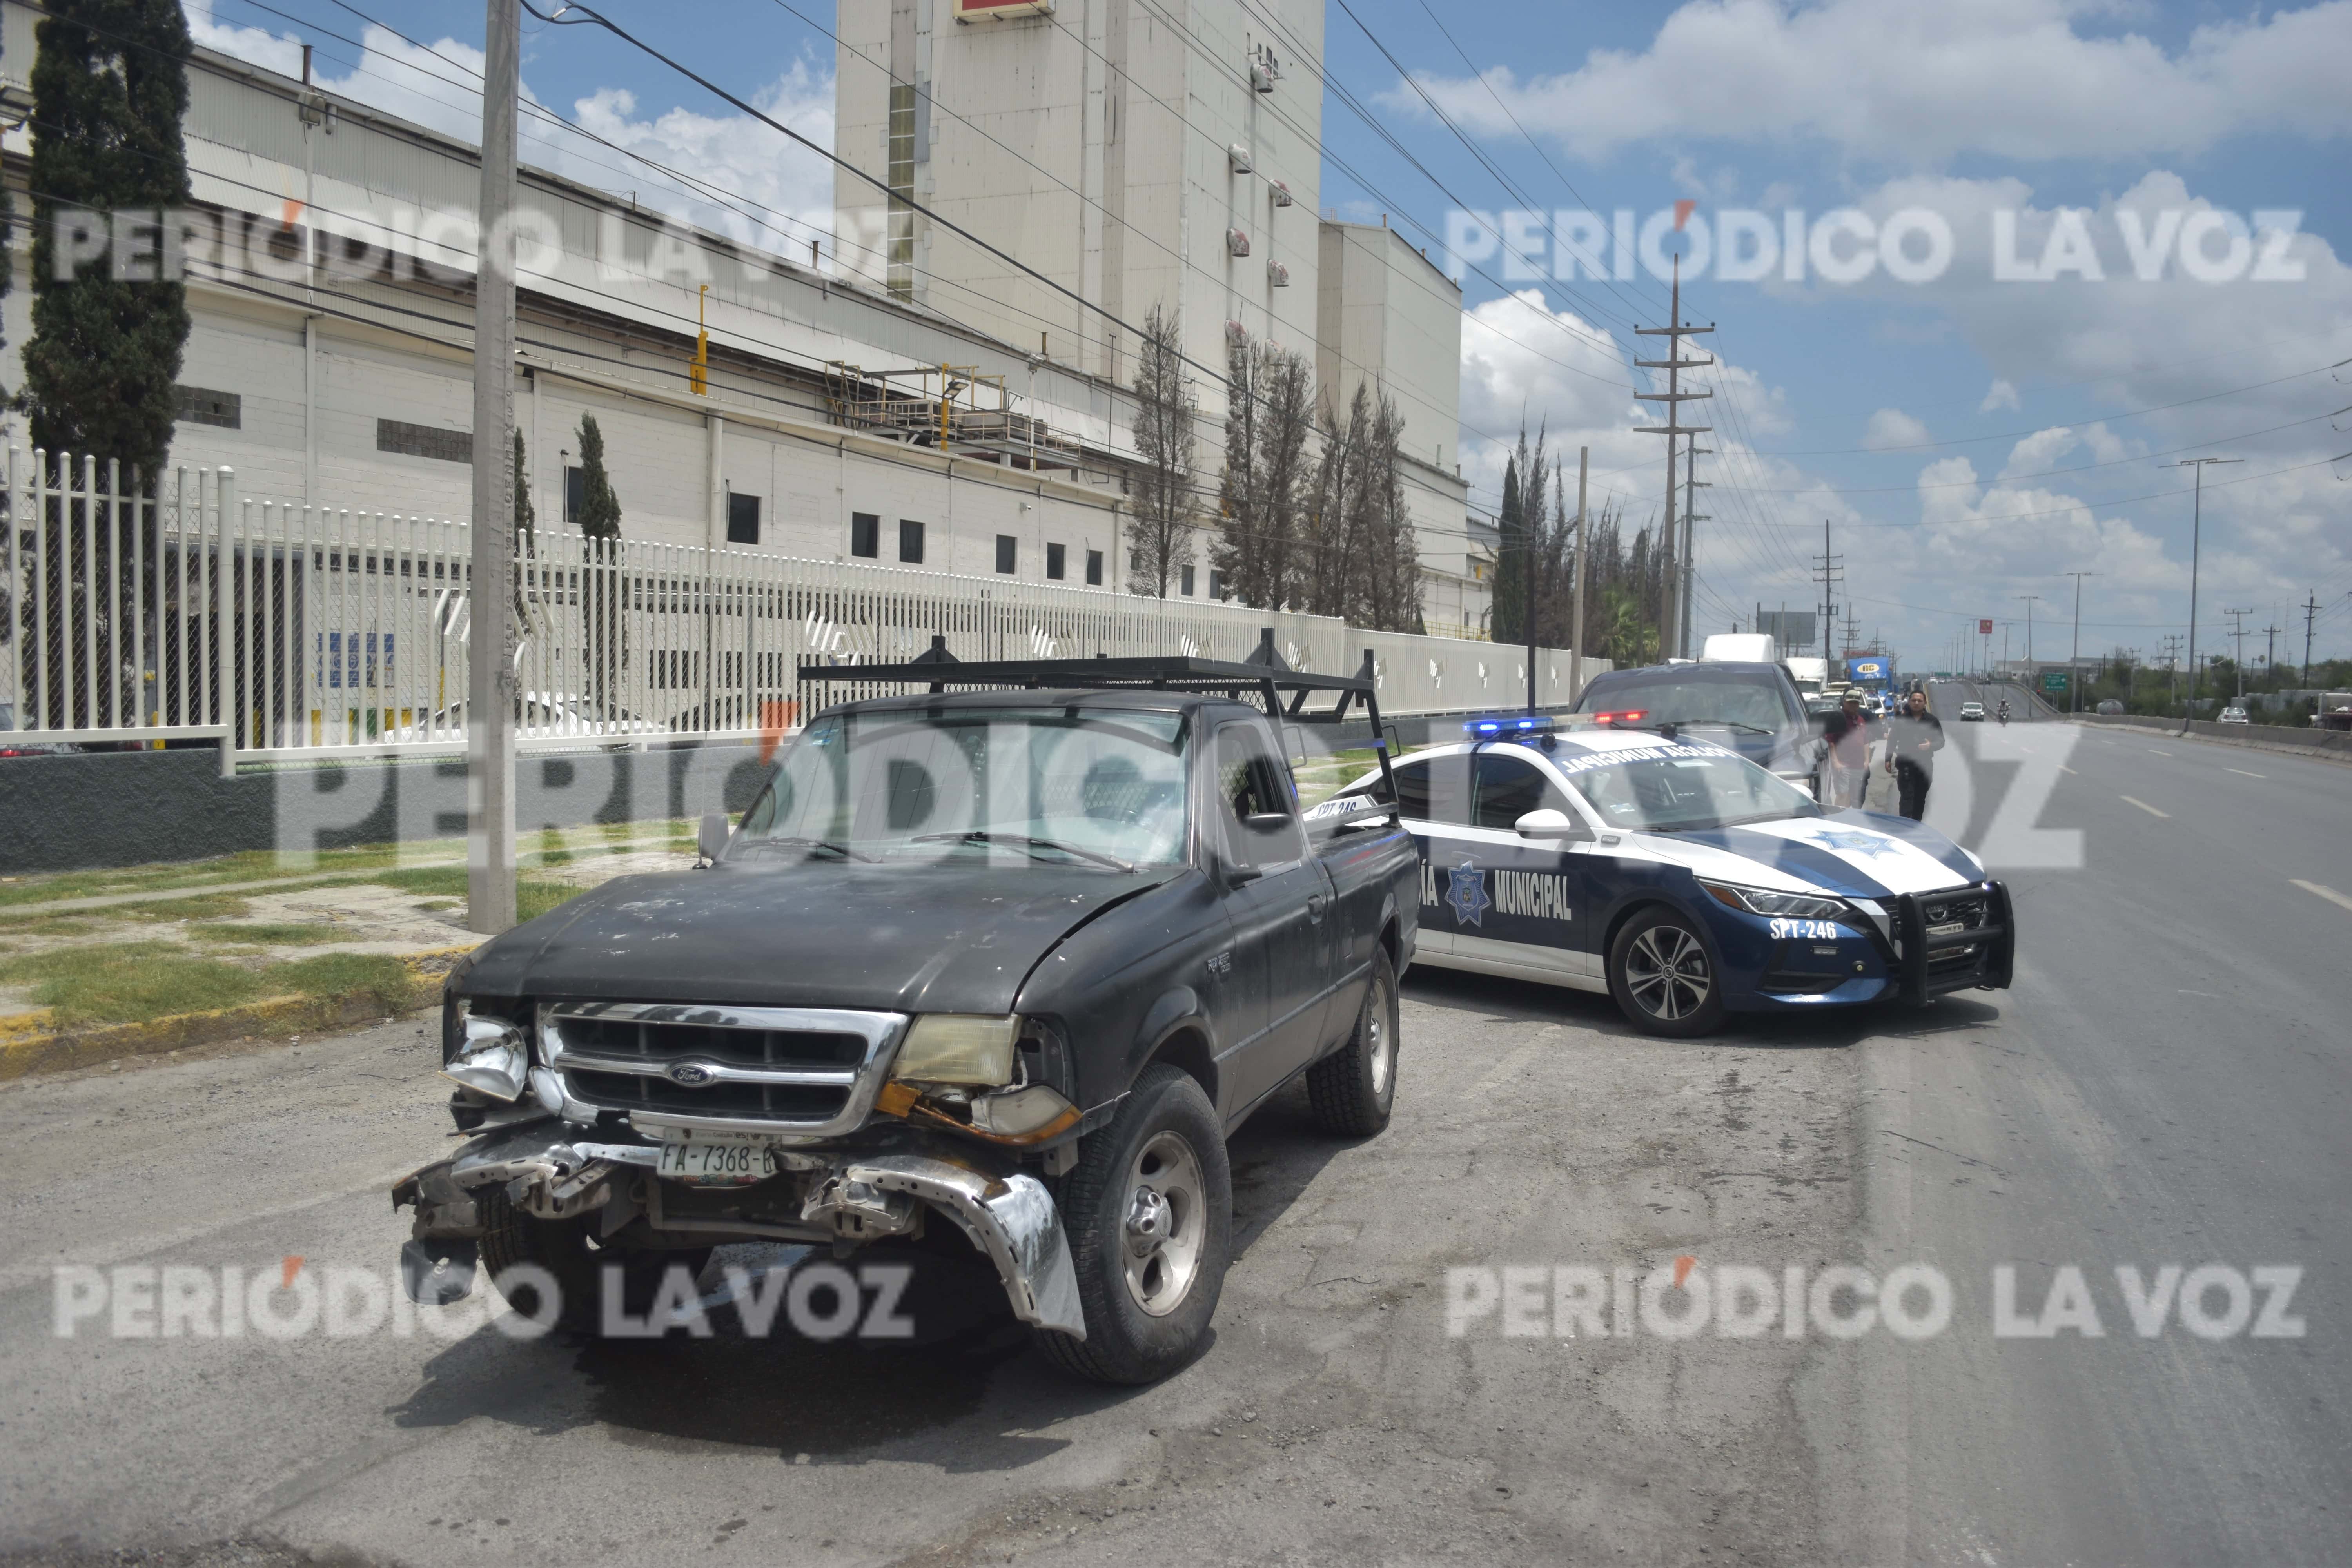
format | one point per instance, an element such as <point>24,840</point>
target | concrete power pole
<point>1828,573</point>
<point>2238,656</point>
<point>2074,655</point>
<point>1690,514</point>
<point>1576,616</point>
<point>1673,397</point>
<point>490,697</point>
<point>2310,615</point>
<point>2195,541</point>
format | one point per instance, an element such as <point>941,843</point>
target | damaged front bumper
<point>555,1169</point>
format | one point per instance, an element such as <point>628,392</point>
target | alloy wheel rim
<point>1666,973</point>
<point>1164,1221</point>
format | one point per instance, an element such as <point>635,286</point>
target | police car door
<point>1517,902</point>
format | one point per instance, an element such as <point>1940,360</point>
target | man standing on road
<point>1912,738</point>
<point>1846,770</point>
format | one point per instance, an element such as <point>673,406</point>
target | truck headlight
<point>1759,901</point>
<point>493,1057</point>
<point>959,1047</point>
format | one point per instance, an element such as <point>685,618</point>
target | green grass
<point>196,907</point>
<point>532,898</point>
<point>282,933</point>
<point>128,982</point>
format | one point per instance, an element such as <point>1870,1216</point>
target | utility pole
<point>1576,616</point>
<point>1673,397</point>
<point>2074,677</point>
<point>2173,666</point>
<point>1530,527</point>
<point>2270,658</point>
<point>1827,575</point>
<point>2195,540</point>
<point>2238,632</point>
<point>2029,599</point>
<point>1690,514</point>
<point>2310,615</point>
<point>490,697</point>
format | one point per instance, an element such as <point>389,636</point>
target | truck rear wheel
<point>1149,1213</point>
<point>1353,1089</point>
<point>565,1248</point>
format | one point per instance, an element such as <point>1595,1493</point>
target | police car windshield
<point>1675,790</point>
<point>1043,786</point>
<point>1750,702</point>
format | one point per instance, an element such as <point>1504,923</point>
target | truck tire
<point>1664,975</point>
<point>1149,1213</point>
<point>1352,1090</point>
<point>566,1250</point>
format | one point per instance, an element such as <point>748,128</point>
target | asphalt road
<point>2165,1084</point>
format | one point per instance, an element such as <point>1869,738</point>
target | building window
<point>1094,568</point>
<point>575,493</point>
<point>1216,583</point>
<point>866,535</point>
<point>910,541</point>
<point>1188,581</point>
<point>742,518</point>
<point>1056,562</point>
<point>423,441</point>
<point>203,406</point>
<point>1005,554</point>
<point>900,274</point>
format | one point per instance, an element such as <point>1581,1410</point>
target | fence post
<point>225,661</point>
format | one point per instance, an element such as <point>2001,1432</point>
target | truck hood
<point>919,937</point>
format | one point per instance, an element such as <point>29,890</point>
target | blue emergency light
<point>1534,722</point>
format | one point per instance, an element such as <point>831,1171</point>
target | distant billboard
<point>1868,669</point>
<point>1794,630</point>
<point>1984,628</point>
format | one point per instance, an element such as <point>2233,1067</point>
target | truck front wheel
<point>1149,1213</point>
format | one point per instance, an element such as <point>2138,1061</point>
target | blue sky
<point>1970,439</point>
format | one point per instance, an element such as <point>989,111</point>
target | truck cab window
<point>1256,800</point>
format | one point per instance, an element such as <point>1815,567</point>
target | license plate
<point>717,1164</point>
<point>1954,929</point>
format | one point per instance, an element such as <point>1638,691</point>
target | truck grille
<point>802,1071</point>
<point>1952,914</point>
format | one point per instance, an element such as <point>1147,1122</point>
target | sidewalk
<point>95,966</point>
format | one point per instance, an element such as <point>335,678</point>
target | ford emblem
<point>690,1075</point>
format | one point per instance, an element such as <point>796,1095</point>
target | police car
<point>1680,878</point>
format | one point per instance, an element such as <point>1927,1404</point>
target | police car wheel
<point>1663,977</point>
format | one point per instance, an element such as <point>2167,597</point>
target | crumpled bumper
<point>549,1171</point>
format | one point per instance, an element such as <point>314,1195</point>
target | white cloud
<point>742,178</point>
<point>2002,393</point>
<point>1890,429</point>
<point>1904,79</point>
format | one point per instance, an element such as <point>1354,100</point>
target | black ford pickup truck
<point>1005,965</point>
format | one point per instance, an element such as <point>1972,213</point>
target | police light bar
<point>1626,716</point>
<point>1533,723</point>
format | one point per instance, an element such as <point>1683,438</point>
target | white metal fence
<point>282,630</point>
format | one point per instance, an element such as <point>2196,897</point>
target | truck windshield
<point>1680,790</point>
<point>1043,786</point>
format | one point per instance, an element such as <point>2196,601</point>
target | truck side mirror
<point>710,840</point>
<point>1547,823</point>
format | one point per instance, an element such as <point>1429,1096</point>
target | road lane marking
<point>2064,769</point>
<point>2160,753</point>
<point>2147,808</point>
<point>2330,894</point>
<point>2249,776</point>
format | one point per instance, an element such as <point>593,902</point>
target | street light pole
<point>2195,540</point>
<point>490,706</point>
<point>2074,655</point>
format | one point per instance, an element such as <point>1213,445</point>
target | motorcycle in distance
<point>2003,715</point>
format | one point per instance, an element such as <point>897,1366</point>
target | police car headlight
<point>1795,906</point>
<point>960,1048</point>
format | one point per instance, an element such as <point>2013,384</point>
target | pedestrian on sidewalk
<point>1912,738</point>
<point>1845,770</point>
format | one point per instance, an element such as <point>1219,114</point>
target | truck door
<point>1283,923</point>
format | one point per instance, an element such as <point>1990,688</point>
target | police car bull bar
<point>1920,943</point>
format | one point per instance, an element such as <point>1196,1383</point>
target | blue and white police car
<point>1681,878</point>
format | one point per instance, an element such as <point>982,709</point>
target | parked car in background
<point>2233,714</point>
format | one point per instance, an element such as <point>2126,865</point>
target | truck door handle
<point>1314,908</point>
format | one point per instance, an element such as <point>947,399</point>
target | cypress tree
<point>600,507</point>
<point>109,86</point>
<point>1510,592</point>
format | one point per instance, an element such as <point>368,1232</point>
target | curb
<point>30,1044</point>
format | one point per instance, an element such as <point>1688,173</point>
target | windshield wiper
<point>982,836</point>
<point>844,850</point>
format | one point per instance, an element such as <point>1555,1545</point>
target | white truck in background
<point>1747,647</point>
<point>1812,676</point>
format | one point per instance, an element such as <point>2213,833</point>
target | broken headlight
<point>492,1056</point>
